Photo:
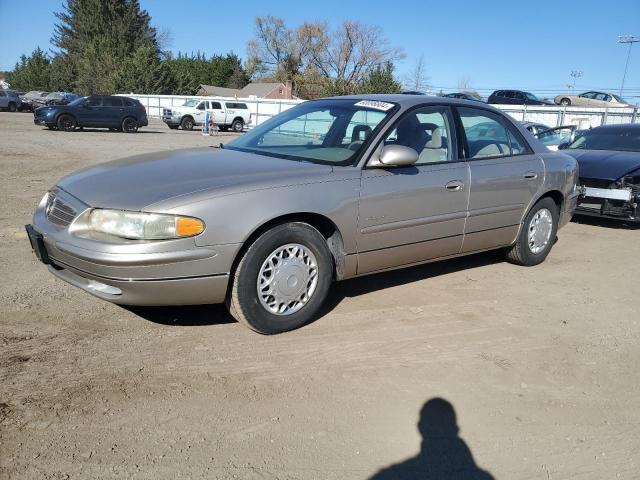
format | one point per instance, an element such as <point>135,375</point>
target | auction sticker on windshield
<point>384,106</point>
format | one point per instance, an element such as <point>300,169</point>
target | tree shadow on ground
<point>443,454</point>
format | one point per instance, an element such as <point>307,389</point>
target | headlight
<point>143,226</point>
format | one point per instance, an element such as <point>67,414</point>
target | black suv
<point>515,97</point>
<point>112,112</point>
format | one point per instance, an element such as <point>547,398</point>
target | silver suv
<point>9,100</point>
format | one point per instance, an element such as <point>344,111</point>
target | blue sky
<point>531,46</point>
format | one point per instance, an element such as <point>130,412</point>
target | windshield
<point>622,140</point>
<point>619,98</point>
<point>77,101</point>
<point>190,103</point>
<point>531,96</point>
<point>330,132</point>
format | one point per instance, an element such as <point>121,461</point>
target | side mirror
<point>395,156</point>
<point>564,145</point>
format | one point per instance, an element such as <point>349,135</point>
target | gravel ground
<point>472,365</point>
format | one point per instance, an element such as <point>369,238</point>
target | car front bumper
<point>175,272</point>
<point>615,203</point>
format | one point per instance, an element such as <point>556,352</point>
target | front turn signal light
<point>188,226</point>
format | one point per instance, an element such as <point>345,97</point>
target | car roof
<point>407,101</point>
<point>620,126</point>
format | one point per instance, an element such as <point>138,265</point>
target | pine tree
<point>32,72</point>
<point>97,36</point>
<point>381,80</point>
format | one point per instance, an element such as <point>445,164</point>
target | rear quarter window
<point>237,106</point>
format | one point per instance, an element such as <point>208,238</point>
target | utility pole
<point>630,39</point>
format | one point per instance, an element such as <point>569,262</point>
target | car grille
<point>596,183</point>
<point>58,212</point>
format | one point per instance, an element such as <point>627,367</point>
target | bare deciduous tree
<point>337,60</point>
<point>273,52</point>
<point>346,56</point>
<point>417,79</point>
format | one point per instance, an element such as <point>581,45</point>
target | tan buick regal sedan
<point>328,190</point>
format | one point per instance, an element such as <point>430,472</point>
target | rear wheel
<point>66,123</point>
<point>187,123</point>
<point>537,234</point>
<point>12,107</point>
<point>282,279</point>
<point>129,125</point>
<point>237,125</point>
<point>565,102</point>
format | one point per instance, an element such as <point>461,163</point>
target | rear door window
<point>486,134</point>
<point>216,106</point>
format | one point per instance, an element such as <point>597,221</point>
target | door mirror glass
<point>396,156</point>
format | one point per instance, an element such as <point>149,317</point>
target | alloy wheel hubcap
<point>287,279</point>
<point>539,231</point>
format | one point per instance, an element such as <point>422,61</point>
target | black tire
<point>565,102</point>
<point>12,107</point>
<point>174,127</point>
<point>521,252</point>
<point>129,125</point>
<point>66,123</point>
<point>187,123</point>
<point>243,300</point>
<point>237,125</point>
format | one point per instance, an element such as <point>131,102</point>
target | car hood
<point>138,182</point>
<point>605,164</point>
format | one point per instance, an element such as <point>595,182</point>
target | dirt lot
<point>540,365</point>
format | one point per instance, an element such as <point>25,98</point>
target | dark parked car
<point>609,169</point>
<point>54,98</point>
<point>112,112</point>
<point>31,100</point>
<point>462,96</point>
<point>515,97</point>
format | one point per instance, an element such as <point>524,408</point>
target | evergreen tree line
<point>109,46</point>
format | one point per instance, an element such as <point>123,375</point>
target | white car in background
<point>227,114</point>
<point>591,99</point>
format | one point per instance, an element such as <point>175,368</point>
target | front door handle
<point>454,185</point>
<point>531,175</point>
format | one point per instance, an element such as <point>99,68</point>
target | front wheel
<point>537,234</point>
<point>565,102</point>
<point>66,123</point>
<point>187,123</point>
<point>237,126</point>
<point>282,279</point>
<point>12,107</point>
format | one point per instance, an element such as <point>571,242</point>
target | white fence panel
<point>554,115</point>
<point>261,109</point>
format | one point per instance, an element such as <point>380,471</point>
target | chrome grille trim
<point>58,211</point>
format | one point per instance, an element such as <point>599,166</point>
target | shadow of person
<point>443,454</point>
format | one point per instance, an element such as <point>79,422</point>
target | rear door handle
<point>454,185</point>
<point>530,175</point>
